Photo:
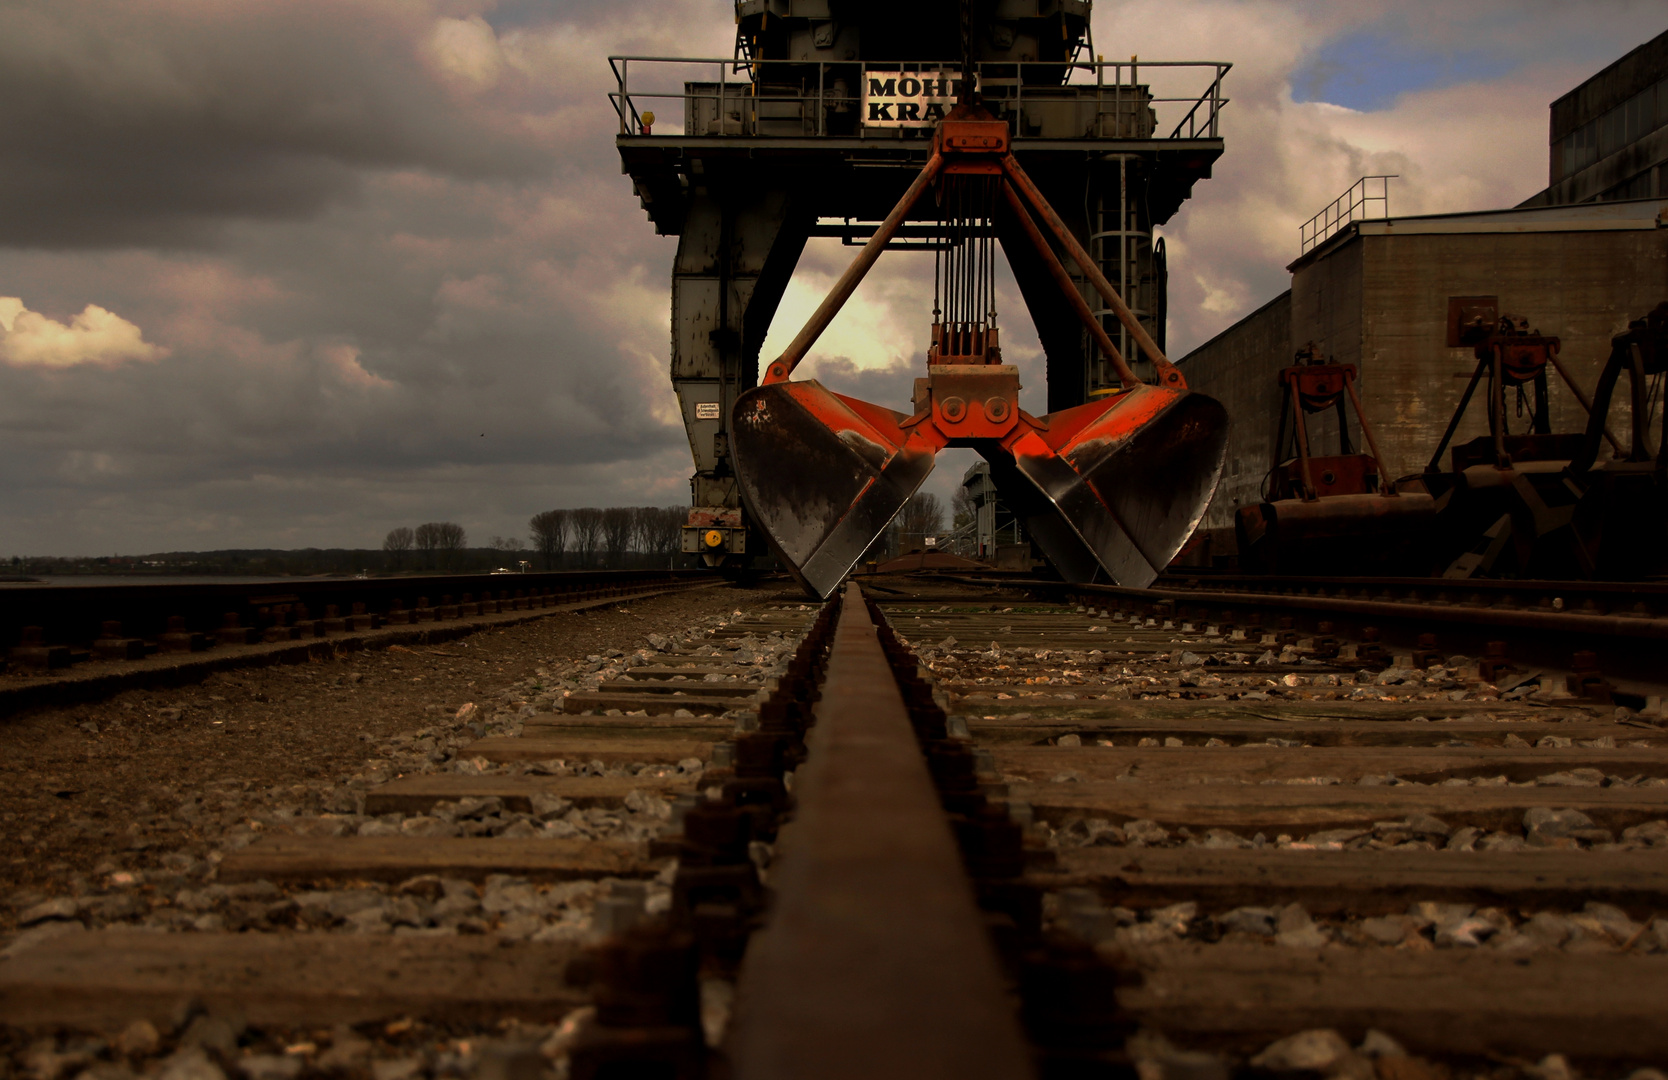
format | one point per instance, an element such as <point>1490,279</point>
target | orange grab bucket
<point>1109,490</point>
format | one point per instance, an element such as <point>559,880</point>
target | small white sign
<point>931,541</point>
<point>909,99</point>
<point>706,410</point>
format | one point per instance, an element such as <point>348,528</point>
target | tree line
<point>615,537</point>
<point>434,545</point>
<point>590,536</point>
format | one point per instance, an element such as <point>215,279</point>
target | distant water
<point>72,580</point>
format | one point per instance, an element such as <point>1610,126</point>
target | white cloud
<point>1468,146</point>
<point>96,336</point>
<point>467,51</point>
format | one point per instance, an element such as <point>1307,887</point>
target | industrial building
<point>1579,261</point>
<point>1610,134</point>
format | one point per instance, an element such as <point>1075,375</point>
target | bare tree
<point>922,516</point>
<point>441,542</point>
<point>397,544</point>
<point>453,543</point>
<point>662,530</point>
<point>642,528</point>
<point>657,531</point>
<point>618,525</point>
<point>586,523</point>
<point>427,539</point>
<point>550,536</point>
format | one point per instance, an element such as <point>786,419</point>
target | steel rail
<point>1432,591</point>
<point>1572,623</point>
<point>1563,586</point>
<point>73,615</point>
<point>875,962</point>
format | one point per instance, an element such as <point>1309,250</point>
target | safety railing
<point>795,98</point>
<point>1352,205</point>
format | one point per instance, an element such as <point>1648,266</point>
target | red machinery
<point>1109,490</point>
<point>1506,506</point>
<point>1329,514</point>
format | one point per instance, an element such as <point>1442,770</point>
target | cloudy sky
<point>293,272</point>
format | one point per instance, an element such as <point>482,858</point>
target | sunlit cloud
<point>96,336</point>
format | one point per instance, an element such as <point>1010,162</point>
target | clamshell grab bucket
<point>823,475</point>
<point>1111,490</point>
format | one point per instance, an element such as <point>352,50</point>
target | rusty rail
<point>1463,616</point>
<point>875,962</point>
<point>75,617</point>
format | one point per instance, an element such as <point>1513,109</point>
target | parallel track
<point>70,619</point>
<point>1543,622</point>
<point>78,643</point>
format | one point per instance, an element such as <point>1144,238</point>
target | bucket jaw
<point>1111,490</point>
<point>823,475</point>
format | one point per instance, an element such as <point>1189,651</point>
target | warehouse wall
<point>1237,367</point>
<point>1583,287</point>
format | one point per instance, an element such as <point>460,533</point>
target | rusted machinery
<point>1109,489</point>
<point>1531,503</point>
<point>1335,513</point>
<point>1506,507</point>
<point>825,114</point>
<point>1539,503</point>
<point>1620,525</point>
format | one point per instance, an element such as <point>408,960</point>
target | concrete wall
<point>1326,301</point>
<point>1583,287</point>
<point>1237,367</point>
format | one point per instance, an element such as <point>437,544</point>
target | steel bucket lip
<point>1073,496</point>
<point>888,479</point>
<point>1083,533</point>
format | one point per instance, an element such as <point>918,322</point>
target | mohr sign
<point>908,99</point>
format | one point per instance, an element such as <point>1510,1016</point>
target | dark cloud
<point>386,260</point>
<point>149,124</point>
<point>387,270</point>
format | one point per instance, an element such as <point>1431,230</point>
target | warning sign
<point>912,99</point>
<point>706,410</point>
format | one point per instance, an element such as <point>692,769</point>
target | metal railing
<point>821,98</point>
<point>1342,211</point>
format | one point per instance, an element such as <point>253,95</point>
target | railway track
<point>65,643</point>
<point>934,827</point>
<point>1622,625</point>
